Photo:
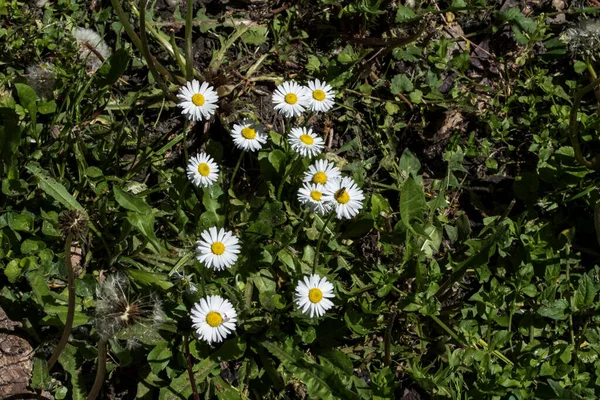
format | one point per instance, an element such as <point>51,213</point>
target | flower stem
<point>188,358</point>
<point>320,240</point>
<point>146,51</point>
<point>285,175</point>
<point>189,60</point>
<point>186,128</point>
<point>71,304</point>
<point>101,370</point>
<point>235,171</point>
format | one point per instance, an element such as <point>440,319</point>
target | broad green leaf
<point>147,278</point>
<point>113,68</point>
<point>412,202</point>
<point>20,222</point>
<point>40,379</point>
<point>401,83</point>
<point>28,99</point>
<point>231,349</point>
<point>54,188</point>
<point>13,271</point>
<point>409,163</point>
<point>585,293</point>
<point>555,311</point>
<point>145,225</point>
<point>321,382</point>
<point>404,14</point>
<point>160,356</point>
<point>256,35</point>
<point>131,202</point>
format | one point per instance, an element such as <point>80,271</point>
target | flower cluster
<point>324,191</point>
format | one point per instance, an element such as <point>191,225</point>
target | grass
<point>471,270</point>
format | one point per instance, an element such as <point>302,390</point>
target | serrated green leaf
<point>131,202</point>
<point>54,189</point>
<point>412,202</point>
<point>145,225</point>
<point>321,382</point>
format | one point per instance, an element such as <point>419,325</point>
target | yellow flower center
<point>217,248</point>
<point>316,195</point>
<point>319,95</point>
<point>291,98</point>
<point>320,177</point>
<point>203,169</point>
<point>248,133</point>
<point>214,319</point>
<point>306,139</point>
<point>198,99</point>
<point>342,196</point>
<point>315,295</point>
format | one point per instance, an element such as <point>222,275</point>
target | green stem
<point>235,171</point>
<point>189,60</point>
<point>568,274</point>
<point>320,240</point>
<point>591,69</point>
<point>124,19</point>
<point>147,55</point>
<point>62,343</point>
<point>186,128</point>
<point>285,175</point>
<point>101,370</point>
<point>448,330</point>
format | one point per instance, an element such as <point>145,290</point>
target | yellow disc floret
<point>248,133</point>
<point>320,178</point>
<point>319,95</point>
<point>291,98</point>
<point>316,195</point>
<point>342,196</point>
<point>307,139</point>
<point>203,169</point>
<point>214,319</point>
<point>315,295</point>
<point>217,248</point>
<point>198,99</point>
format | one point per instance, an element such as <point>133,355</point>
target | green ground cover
<point>468,270</point>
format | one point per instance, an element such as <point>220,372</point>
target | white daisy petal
<point>321,172</point>
<point>290,99</point>
<point>305,142</point>
<point>218,249</point>
<point>248,135</point>
<point>202,98</point>
<point>311,195</point>
<point>312,295</point>
<point>202,170</point>
<point>344,196</point>
<point>320,96</point>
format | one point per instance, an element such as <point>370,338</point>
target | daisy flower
<point>312,295</point>
<point>345,197</point>
<point>305,142</point>
<point>290,99</point>
<point>248,135</point>
<point>321,172</point>
<point>320,97</point>
<point>218,249</point>
<point>202,170</point>
<point>213,318</point>
<point>311,194</point>
<point>198,101</point>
